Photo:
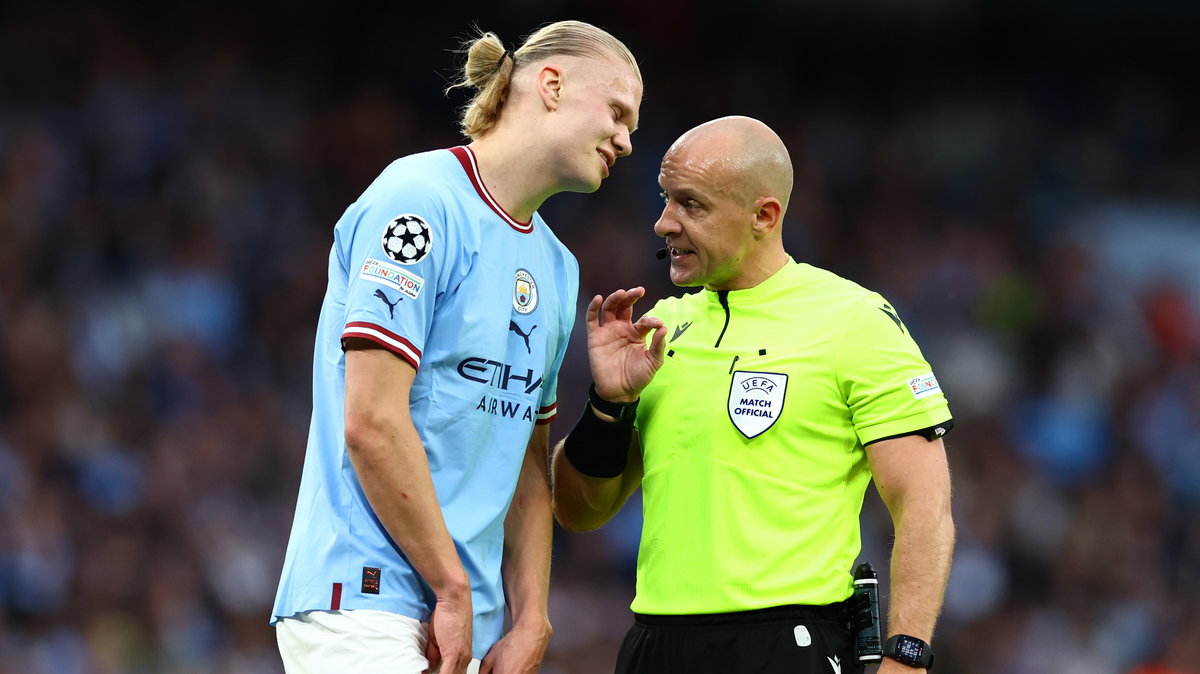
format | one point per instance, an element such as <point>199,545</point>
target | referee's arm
<point>913,478</point>
<point>599,464</point>
<point>584,503</point>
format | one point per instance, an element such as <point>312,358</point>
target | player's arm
<point>390,462</point>
<point>912,476</point>
<point>583,502</point>
<point>528,529</point>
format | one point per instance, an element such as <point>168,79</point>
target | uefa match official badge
<point>525,293</point>
<point>756,400</point>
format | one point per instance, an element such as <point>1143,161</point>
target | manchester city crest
<point>756,400</point>
<point>525,293</point>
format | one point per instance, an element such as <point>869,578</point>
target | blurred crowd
<point>168,187</point>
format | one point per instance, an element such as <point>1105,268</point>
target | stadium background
<point>1021,179</point>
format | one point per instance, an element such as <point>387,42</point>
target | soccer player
<point>424,505</point>
<point>763,405</point>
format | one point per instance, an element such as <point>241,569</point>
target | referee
<point>753,413</point>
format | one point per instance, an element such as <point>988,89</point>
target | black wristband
<point>618,411</point>
<point>599,448</point>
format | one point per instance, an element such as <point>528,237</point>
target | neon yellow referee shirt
<point>752,437</point>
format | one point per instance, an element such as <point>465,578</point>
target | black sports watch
<point>909,651</point>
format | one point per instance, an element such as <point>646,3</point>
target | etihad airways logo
<point>500,375</point>
<point>512,382</point>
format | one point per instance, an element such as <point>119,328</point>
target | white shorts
<point>359,640</point>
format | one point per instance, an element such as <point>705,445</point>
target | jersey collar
<point>466,157</point>
<point>779,281</point>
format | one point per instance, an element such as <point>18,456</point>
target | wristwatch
<point>909,651</point>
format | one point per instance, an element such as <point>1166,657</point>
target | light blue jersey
<point>429,266</point>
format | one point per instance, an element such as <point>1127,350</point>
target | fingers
<point>647,323</point>
<point>658,344</point>
<point>612,307</point>
<point>456,665</point>
<point>593,312</point>
<point>433,655</point>
<point>619,305</point>
<point>449,662</point>
<point>631,297</point>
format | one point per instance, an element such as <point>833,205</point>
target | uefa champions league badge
<point>756,401</point>
<point>407,239</point>
<point>525,294</point>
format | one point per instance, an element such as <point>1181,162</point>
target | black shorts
<point>781,640</point>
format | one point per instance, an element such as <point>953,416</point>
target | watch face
<point>909,649</point>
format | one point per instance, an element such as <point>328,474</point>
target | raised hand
<point>622,365</point>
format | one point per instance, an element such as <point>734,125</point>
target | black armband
<point>932,433</point>
<point>599,448</point>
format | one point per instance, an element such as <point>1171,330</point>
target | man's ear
<point>768,216</point>
<point>549,82</point>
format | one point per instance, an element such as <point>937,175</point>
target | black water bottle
<point>864,621</point>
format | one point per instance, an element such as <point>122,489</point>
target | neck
<point>516,177</point>
<point>755,272</point>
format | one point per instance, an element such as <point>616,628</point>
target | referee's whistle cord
<point>735,360</point>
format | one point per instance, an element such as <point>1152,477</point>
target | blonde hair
<point>489,67</point>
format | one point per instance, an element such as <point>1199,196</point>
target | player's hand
<point>518,652</point>
<point>449,644</point>
<point>621,363</point>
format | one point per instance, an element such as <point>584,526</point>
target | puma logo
<point>513,327</point>
<point>370,580</point>
<point>391,305</point>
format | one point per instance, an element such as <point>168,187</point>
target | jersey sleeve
<point>548,402</point>
<point>398,257</point>
<point>888,385</point>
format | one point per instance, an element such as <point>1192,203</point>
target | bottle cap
<point>865,570</point>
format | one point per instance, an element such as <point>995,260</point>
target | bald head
<point>752,156</point>
<point>725,186</point>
